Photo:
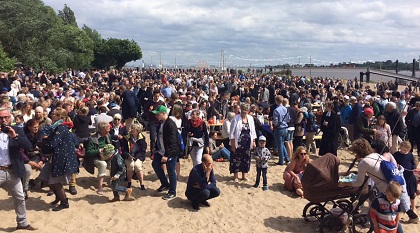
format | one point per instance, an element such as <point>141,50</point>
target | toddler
<point>261,156</point>
<point>406,159</point>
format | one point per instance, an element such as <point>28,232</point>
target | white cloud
<point>258,32</point>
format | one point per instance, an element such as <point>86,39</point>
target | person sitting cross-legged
<point>218,153</point>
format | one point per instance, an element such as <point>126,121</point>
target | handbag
<point>80,152</point>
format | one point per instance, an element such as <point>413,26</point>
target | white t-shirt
<point>371,165</point>
<point>178,123</point>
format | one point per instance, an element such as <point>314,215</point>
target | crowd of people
<point>97,119</point>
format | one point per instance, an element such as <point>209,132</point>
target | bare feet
<point>299,192</point>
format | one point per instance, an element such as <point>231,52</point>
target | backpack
<point>380,108</point>
<point>391,172</point>
<point>181,142</point>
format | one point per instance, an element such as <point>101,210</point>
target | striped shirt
<point>385,212</point>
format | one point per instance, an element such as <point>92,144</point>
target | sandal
<point>100,192</point>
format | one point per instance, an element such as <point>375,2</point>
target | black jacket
<point>393,120</point>
<point>127,152</point>
<point>14,144</point>
<point>171,140</point>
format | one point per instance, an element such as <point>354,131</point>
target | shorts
<point>101,165</point>
<point>289,136</point>
<point>135,166</point>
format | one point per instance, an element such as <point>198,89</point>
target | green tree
<point>73,47</point>
<point>6,63</point>
<point>67,15</point>
<point>24,30</point>
<point>118,52</point>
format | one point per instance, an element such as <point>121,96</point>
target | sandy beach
<point>240,208</point>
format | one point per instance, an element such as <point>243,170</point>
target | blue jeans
<point>170,167</point>
<point>198,196</point>
<point>153,134</point>
<point>115,186</point>
<point>222,153</point>
<point>280,136</point>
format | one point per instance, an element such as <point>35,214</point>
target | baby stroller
<point>333,207</point>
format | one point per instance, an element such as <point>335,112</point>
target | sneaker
<point>72,190</point>
<point>27,227</point>
<point>196,205</point>
<point>413,220</point>
<point>162,188</point>
<point>265,188</point>
<point>255,185</point>
<point>205,203</point>
<point>278,163</point>
<point>168,196</point>
<point>142,187</point>
<point>115,199</point>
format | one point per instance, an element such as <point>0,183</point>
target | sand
<point>240,208</point>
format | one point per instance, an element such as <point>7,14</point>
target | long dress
<point>330,133</point>
<point>240,161</point>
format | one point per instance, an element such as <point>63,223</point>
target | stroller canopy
<point>320,179</point>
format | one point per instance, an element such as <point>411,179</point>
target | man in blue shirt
<point>201,184</point>
<point>345,112</point>
<point>280,119</point>
<point>356,112</point>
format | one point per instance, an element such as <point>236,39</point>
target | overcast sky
<point>257,32</point>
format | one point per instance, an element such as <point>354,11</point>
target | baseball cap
<point>346,97</point>
<point>262,138</point>
<point>353,98</point>
<point>368,111</point>
<point>160,109</point>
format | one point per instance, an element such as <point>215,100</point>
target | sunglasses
<point>117,119</point>
<point>302,153</point>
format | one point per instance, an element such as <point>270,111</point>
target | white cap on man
<point>262,138</point>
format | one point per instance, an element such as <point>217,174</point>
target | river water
<point>343,73</point>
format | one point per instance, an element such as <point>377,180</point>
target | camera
<point>4,128</point>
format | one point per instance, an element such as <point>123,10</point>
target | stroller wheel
<point>345,205</point>
<point>314,212</point>
<point>361,224</point>
<point>330,223</point>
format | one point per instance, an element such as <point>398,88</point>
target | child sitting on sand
<point>261,156</point>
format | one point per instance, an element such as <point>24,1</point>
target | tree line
<point>34,35</point>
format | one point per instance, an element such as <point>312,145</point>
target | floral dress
<point>240,161</point>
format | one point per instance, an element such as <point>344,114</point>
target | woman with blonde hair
<point>27,111</point>
<point>294,171</point>
<point>133,147</point>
